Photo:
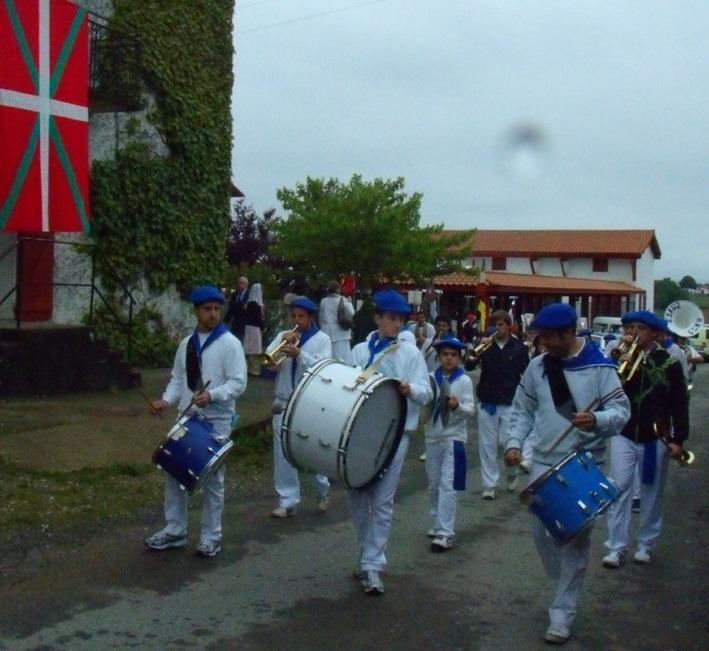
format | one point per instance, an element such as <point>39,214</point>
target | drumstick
<point>188,407</point>
<point>147,399</point>
<point>571,427</point>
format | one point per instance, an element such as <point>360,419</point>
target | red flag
<point>44,166</point>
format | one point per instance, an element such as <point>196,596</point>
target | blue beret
<point>205,293</point>
<point>556,316</point>
<point>627,317</point>
<point>388,300</point>
<point>304,303</point>
<point>649,319</point>
<point>449,342</point>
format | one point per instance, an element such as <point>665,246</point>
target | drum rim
<point>529,490</point>
<point>342,456</point>
<point>216,462</point>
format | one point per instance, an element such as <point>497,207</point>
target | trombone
<point>276,356</point>
<point>687,458</point>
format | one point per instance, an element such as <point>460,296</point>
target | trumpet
<point>276,357</point>
<point>631,363</point>
<point>687,458</point>
<point>476,351</point>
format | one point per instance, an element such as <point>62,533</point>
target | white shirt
<point>223,366</point>
<point>457,429</point>
<point>328,317</point>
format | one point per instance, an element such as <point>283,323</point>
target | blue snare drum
<point>568,497</point>
<point>191,452</point>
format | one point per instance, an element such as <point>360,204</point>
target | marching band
<point>349,415</point>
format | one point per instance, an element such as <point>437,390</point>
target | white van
<point>605,325</point>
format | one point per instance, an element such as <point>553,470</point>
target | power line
<point>307,17</point>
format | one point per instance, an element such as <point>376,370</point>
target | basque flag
<point>44,153</point>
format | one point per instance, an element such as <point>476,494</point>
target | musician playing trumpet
<point>298,350</point>
<point>658,398</point>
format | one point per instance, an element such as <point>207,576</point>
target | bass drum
<point>342,425</point>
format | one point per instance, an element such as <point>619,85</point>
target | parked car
<point>603,326</point>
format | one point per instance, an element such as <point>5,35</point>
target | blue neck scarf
<point>376,345</point>
<point>589,355</point>
<point>438,376</point>
<point>307,334</point>
<point>193,362</point>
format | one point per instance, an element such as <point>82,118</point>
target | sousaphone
<point>684,318</point>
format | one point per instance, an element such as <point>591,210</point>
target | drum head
<point>374,435</point>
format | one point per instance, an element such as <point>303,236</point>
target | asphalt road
<point>286,584</point>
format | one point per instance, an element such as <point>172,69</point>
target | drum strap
<point>373,368</point>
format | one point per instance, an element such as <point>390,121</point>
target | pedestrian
<point>445,441</point>
<point>212,356</point>
<point>336,314</point>
<point>556,389</point>
<point>659,405</point>
<point>235,316</point>
<point>502,364</point>
<point>300,348</point>
<point>253,327</point>
<point>373,505</point>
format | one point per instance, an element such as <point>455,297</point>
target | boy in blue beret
<point>210,355</point>
<point>373,506</point>
<point>445,441</point>
<point>305,347</point>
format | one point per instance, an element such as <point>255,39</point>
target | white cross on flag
<point>44,161</point>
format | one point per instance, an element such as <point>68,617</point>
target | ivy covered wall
<point>164,219</point>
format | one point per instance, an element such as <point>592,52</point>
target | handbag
<point>343,319</point>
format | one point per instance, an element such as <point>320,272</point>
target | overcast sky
<point>503,114</point>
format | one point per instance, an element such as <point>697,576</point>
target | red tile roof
<point>510,282</point>
<point>564,243</point>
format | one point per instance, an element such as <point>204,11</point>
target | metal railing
<point>17,288</point>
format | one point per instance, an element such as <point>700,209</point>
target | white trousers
<point>373,512</point>
<point>341,350</point>
<point>492,433</point>
<point>176,500</point>
<point>626,456</point>
<point>440,468</point>
<point>564,564</point>
<point>285,476</point>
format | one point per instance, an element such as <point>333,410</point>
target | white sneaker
<point>162,540</point>
<point>324,504</point>
<point>489,494</point>
<point>642,556</point>
<point>441,544</point>
<point>283,512</point>
<point>512,483</point>
<point>557,634</point>
<point>372,583</point>
<point>422,457</point>
<point>613,559</point>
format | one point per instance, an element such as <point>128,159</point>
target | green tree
<point>688,282</point>
<point>369,228</point>
<point>666,291</point>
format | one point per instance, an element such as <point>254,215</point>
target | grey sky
<point>615,95</point>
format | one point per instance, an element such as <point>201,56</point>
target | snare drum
<point>191,452</point>
<point>341,426</point>
<point>570,495</point>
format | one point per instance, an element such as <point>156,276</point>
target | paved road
<point>286,583</point>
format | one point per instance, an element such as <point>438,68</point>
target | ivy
<point>164,219</point>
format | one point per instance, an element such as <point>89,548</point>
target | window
<point>600,264</point>
<point>499,264</point>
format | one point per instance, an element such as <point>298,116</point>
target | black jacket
<point>657,394</point>
<point>501,371</point>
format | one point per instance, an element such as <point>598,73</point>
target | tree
<point>368,228</point>
<point>250,236</point>
<point>666,291</point>
<point>688,282</point>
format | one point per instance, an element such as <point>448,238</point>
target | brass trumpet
<point>687,458</point>
<point>478,350</point>
<point>276,357</point>
<point>631,363</point>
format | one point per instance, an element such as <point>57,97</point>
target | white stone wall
<point>645,278</point>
